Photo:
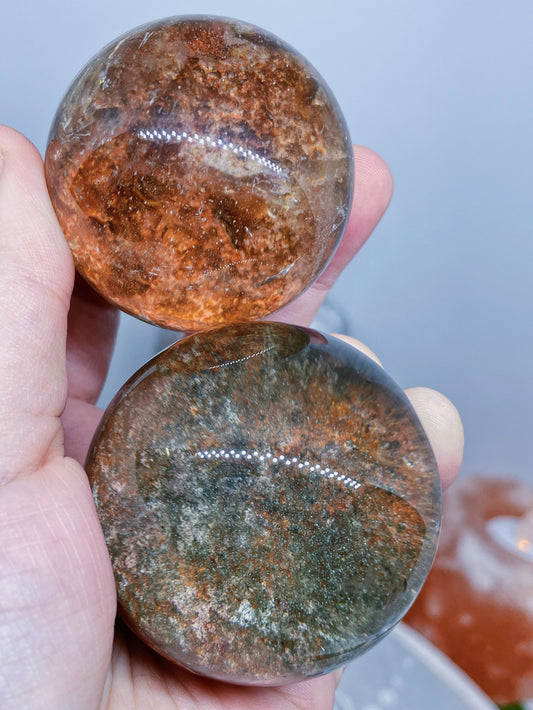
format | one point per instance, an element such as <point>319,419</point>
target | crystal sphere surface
<point>263,530</point>
<point>201,171</point>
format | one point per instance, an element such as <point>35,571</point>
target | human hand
<point>57,594</point>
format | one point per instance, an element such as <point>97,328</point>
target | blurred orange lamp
<point>477,604</point>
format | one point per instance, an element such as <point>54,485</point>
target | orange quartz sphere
<point>202,172</point>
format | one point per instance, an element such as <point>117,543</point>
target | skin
<point>58,644</point>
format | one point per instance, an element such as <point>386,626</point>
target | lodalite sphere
<point>262,531</point>
<point>201,171</point>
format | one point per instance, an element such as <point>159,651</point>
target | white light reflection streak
<point>288,461</point>
<point>183,136</point>
<point>228,363</point>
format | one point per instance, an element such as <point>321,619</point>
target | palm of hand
<point>57,596</point>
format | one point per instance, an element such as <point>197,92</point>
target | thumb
<point>36,280</point>
<point>57,598</point>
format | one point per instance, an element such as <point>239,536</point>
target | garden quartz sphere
<point>269,500</point>
<point>201,171</point>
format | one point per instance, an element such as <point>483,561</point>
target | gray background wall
<point>444,290</point>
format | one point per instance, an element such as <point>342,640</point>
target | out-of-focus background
<point>444,290</point>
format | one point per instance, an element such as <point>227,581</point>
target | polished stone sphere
<point>201,171</point>
<point>269,500</point>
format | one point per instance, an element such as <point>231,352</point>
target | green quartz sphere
<point>269,500</point>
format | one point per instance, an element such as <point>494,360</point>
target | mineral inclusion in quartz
<point>201,171</point>
<point>269,500</point>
